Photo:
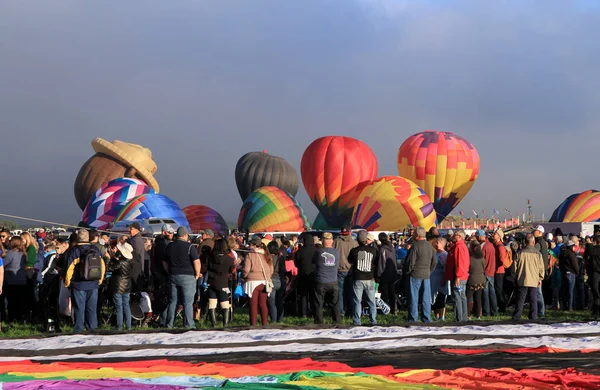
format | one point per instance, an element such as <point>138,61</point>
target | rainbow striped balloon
<point>443,164</point>
<point>582,207</point>
<point>269,209</point>
<point>391,203</point>
<point>109,200</point>
<point>152,206</point>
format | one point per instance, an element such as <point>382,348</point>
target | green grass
<point>242,319</point>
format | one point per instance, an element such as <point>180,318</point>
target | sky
<point>201,83</point>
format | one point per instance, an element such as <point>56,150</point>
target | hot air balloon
<point>202,217</point>
<point>391,203</point>
<point>582,207</point>
<point>443,164</point>
<point>334,171</point>
<point>255,170</point>
<point>321,224</point>
<point>270,209</point>
<point>113,160</point>
<point>109,200</point>
<point>152,206</point>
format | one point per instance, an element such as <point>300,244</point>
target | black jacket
<point>278,266</point>
<point>219,267</point>
<point>386,268</point>
<point>567,261</point>
<point>120,281</point>
<point>592,254</point>
<point>542,246</point>
<point>304,256</point>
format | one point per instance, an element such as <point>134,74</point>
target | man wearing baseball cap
<point>542,246</point>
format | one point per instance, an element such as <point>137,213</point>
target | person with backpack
<point>84,273</point>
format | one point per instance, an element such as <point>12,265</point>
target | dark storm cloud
<point>201,83</point>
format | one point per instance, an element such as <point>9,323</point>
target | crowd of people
<point>177,274</point>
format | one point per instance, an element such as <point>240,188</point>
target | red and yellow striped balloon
<point>582,207</point>
<point>391,203</point>
<point>443,164</point>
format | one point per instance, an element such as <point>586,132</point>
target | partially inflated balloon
<point>334,171</point>
<point>443,164</point>
<point>255,170</point>
<point>152,206</point>
<point>321,224</point>
<point>582,207</point>
<point>202,217</point>
<point>391,203</point>
<point>270,209</point>
<point>109,200</point>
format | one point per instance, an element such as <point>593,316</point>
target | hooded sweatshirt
<point>386,268</point>
<point>304,256</point>
<point>344,244</point>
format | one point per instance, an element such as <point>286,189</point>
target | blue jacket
<point>72,277</point>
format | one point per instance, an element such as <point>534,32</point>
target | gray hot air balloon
<point>259,169</point>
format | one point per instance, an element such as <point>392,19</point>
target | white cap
<point>539,228</point>
<point>549,237</point>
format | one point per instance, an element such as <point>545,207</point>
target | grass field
<point>242,319</point>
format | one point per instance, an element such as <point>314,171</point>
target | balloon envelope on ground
<point>391,203</point>
<point>259,169</point>
<point>109,200</point>
<point>334,170</point>
<point>581,207</point>
<point>443,164</point>
<point>152,206</point>
<point>270,209</point>
<point>202,217</point>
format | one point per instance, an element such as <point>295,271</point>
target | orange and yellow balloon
<point>391,203</point>
<point>443,164</point>
<point>582,207</point>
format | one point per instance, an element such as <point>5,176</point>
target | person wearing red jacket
<point>490,305</point>
<point>457,272</point>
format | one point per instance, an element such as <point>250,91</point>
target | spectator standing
<point>306,268</point>
<point>569,267</point>
<point>160,264</point>
<point>363,259</point>
<point>502,262</point>
<point>490,304</point>
<point>542,246</point>
<point>258,269</point>
<point>477,280</point>
<point>276,297</point>
<point>344,243</point>
<point>184,270</point>
<point>457,272</point>
<point>120,283</point>
<point>15,281</point>
<point>440,288</point>
<point>327,261</point>
<point>421,263</point>
<point>387,272</point>
<point>84,293</point>
<point>529,273</point>
<point>593,269</point>
<point>220,266</point>
<point>137,243</point>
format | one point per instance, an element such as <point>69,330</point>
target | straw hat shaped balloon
<point>113,160</point>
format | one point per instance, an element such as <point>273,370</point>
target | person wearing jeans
<point>327,261</point>
<point>457,272</point>
<point>120,283</point>
<point>367,287</point>
<point>84,293</point>
<point>419,288</point>
<point>421,263</point>
<point>123,310</point>
<point>529,273</point>
<point>569,267</point>
<point>184,270</point>
<point>364,263</point>
<point>344,243</point>
<point>490,304</point>
<point>84,309</point>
